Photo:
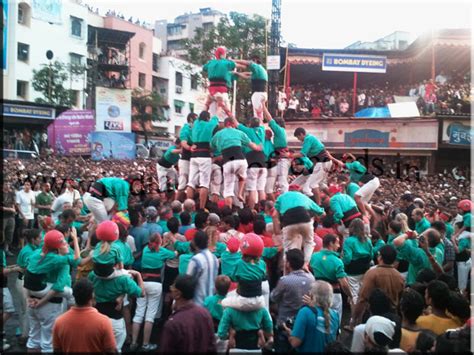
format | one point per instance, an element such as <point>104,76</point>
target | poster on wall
<point>112,145</point>
<point>5,33</point>
<point>47,10</point>
<point>69,134</point>
<point>113,110</point>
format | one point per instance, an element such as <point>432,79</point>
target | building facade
<point>396,41</point>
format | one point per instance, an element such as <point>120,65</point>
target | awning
<point>179,103</point>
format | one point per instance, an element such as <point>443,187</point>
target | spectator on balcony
<point>344,108</point>
<point>441,78</point>
<point>292,107</point>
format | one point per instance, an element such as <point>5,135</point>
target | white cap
<point>407,192</point>
<point>453,198</point>
<point>381,325</point>
<point>417,200</point>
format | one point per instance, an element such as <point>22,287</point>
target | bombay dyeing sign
<point>366,138</point>
<point>354,63</point>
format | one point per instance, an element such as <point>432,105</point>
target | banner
<point>69,134</point>
<point>460,134</point>
<point>111,145</point>
<point>404,109</point>
<point>47,10</point>
<point>366,138</point>
<point>38,112</point>
<point>113,110</point>
<point>354,63</point>
<point>5,33</point>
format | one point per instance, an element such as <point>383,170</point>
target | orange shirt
<point>83,330</point>
<point>437,324</point>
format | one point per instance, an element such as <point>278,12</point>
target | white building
<point>179,84</point>
<point>396,41</point>
<point>33,29</point>
<point>173,35</point>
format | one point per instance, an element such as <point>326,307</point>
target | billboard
<point>113,110</point>
<point>354,63</point>
<point>112,145</point>
<point>47,10</point>
<point>460,134</point>
<point>42,113</point>
<point>5,32</point>
<point>69,134</point>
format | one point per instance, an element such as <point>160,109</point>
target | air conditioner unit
<point>179,89</point>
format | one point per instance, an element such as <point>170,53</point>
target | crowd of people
<point>233,242</point>
<point>445,95</point>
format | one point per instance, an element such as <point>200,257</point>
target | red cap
<point>53,240</point>
<point>252,245</point>
<point>465,205</point>
<point>47,222</point>
<point>221,204</point>
<point>107,231</point>
<point>334,189</point>
<point>220,51</point>
<point>294,187</point>
<point>233,244</point>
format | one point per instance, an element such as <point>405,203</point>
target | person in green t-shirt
<point>165,167</point>
<point>183,163</point>
<point>214,303</point>
<point>44,200</point>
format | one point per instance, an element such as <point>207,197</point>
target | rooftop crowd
<point>232,241</point>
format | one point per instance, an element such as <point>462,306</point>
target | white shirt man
<point>361,99</point>
<point>440,78</point>
<point>26,200</point>
<point>293,103</point>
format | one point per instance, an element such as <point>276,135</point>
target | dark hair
<point>173,225</point>
<point>254,122</point>
<point>388,254</point>
<point>458,306</point>
<point>425,276</point>
<point>68,214</point>
<point>411,305</point>
<point>191,117</point>
<point>299,130</point>
<point>201,240</point>
<point>204,116</point>
<point>185,218</point>
<point>425,341</point>
<point>186,284</point>
<point>336,347</point>
<point>379,302</point>
<point>329,239</point>
<point>259,226</point>
<point>134,217</point>
<point>83,291</point>
<point>295,258</point>
<point>225,211</point>
<point>228,121</point>
<point>395,226</point>
<point>230,220</point>
<point>123,233</point>
<point>439,226</point>
<point>328,221</point>
<point>457,341</point>
<point>63,228</point>
<point>245,216</point>
<point>222,284</point>
<point>200,219</point>
<point>448,280</point>
<point>438,291</point>
<point>31,234</point>
<point>177,141</point>
<point>407,197</point>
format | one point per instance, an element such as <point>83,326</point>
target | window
<point>179,79</point>
<point>191,107</point>
<point>154,83</point>
<point>155,62</point>
<point>141,50</point>
<point>21,88</point>
<point>194,82</point>
<point>76,26</point>
<point>175,30</point>
<point>75,98</point>
<point>75,59</point>
<point>141,80</point>
<point>178,106</point>
<point>23,52</point>
<point>23,14</point>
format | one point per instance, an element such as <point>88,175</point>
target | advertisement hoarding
<point>354,63</point>
<point>112,145</point>
<point>113,110</point>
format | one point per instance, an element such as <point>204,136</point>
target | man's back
<point>82,330</point>
<point>387,278</point>
<point>190,329</point>
<point>204,267</point>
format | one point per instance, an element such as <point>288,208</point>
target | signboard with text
<point>460,134</point>
<point>13,110</point>
<point>112,145</point>
<point>354,63</point>
<point>113,110</point>
<point>366,138</point>
<point>273,62</point>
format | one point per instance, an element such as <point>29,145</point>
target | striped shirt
<point>204,267</point>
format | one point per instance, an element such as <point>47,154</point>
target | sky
<point>317,23</point>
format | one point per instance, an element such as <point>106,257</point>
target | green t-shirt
<point>229,137</point>
<point>113,257</point>
<point>352,188</point>
<point>25,253</point>
<point>219,69</point>
<point>269,252</point>
<point>156,259</point>
<point>449,230</point>
<point>117,189</point>
<point>44,199</point>
<point>164,225</point>
<point>422,225</point>
<point>185,133</point>
<point>356,170</point>
<point>258,72</point>
<point>245,271</point>
<point>378,244</point>
<point>279,135</point>
<point>229,262</point>
<point>326,264</point>
<point>312,146</point>
<point>293,199</point>
<point>202,130</point>
<point>184,260</point>
<point>51,265</point>
<point>107,290</point>
<point>213,305</point>
<point>171,157</point>
<point>238,320</point>
<point>464,243</point>
<point>255,134</point>
<point>220,248</point>
<point>340,204</point>
<point>466,220</point>
<point>125,252</point>
<point>354,249</point>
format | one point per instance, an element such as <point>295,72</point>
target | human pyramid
<point>229,261</point>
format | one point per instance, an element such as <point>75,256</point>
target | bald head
<point>189,205</point>
<point>176,206</point>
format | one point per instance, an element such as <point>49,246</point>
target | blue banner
<point>366,138</point>
<point>12,110</point>
<point>373,112</point>
<point>460,134</point>
<point>5,32</point>
<point>112,145</point>
<point>354,63</point>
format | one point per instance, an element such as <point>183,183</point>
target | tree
<point>147,106</point>
<point>243,36</point>
<point>49,81</point>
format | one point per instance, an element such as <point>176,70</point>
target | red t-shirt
<point>190,233</point>
<point>245,228</point>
